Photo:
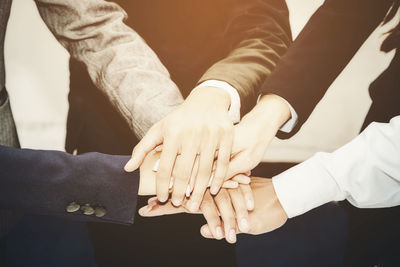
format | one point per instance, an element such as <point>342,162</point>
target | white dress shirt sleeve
<point>366,172</point>
<point>234,109</point>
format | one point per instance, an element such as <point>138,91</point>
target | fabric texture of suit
<point>45,182</point>
<point>8,132</point>
<point>322,50</point>
<point>236,41</point>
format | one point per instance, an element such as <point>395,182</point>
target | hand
<point>210,210</point>
<point>266,216</point>
<point>147,182</point>
<point>255,132</point>
<point>195,131</point>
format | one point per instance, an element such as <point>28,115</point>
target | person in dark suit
<point>235,43</point>
<point>93,186</point>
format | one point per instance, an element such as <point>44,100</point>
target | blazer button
<point>100,212</point>
<point>87,209</point>
<point>73,206</point>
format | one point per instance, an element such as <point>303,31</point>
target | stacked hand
<point>192,136</point>
<point>266,215</point>
<point>197,150</point>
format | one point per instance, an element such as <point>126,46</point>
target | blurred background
<point>38,83</point>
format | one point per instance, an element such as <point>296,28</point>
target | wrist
<point>210,96</point>
<point>272,111</point>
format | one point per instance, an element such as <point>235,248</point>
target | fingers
<point>241,179</point>
<point>210,212</point>
<point>167,160</point>
<point>223,201</point>
<point>224,155</point>
<point>239,204</point>
<point>148,143</point>
<point>183,169</point>
<point>155,208</point>
<point>206,232</point>
<point>248,196</point>
<point>193,177</point>
<point>237,165</point>
<point>230,184</point>
<point>203,177</point>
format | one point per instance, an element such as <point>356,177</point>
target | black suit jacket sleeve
<point>258,34</point>
<point>45,182</point>
<point>322,50</point>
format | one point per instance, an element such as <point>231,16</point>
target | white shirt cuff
<point>306,186</point>
<point>289,125</point>
<point>234,109</point>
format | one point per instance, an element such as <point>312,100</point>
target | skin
<point>199,130</point>
<point>199,137</point>
<point>255,132</point>
<point>227,211</point>
<point>147,182</point>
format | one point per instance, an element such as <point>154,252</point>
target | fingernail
<point>177,202</point>
<point>232,236</point>
<point>155,167</point>
<point>188,191</point>
<point>162,199</point>
<point>214,190</point>
<point>250,205</point>
<point>219,233</point>
<point>244,225</point>
<point>211,179</point>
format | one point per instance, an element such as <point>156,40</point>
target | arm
<point>118,60</point>
<point>257,35</point>
<point>324,47</point>
<point>47,182</point>
<point>366,172</point>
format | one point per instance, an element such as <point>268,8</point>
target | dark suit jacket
<point>45,182</point>
<point>324,47</point>
<point>321,51</point>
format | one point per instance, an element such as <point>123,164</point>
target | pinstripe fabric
<point>8,134</point>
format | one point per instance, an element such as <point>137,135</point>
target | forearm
<point>119,62</point>
<point>321,51</point>
<point>258,35</point>
<point>366,172</point>
<point>46,182</point>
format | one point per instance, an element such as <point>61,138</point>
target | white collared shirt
<point>234,109</point>
<point>366,172</point>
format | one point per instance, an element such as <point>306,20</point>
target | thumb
<point>236,166</point>
<point>151,140</point>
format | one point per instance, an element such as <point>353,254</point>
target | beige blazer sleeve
<point>119,61</point>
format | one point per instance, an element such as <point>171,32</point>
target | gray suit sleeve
<point>119,61</point>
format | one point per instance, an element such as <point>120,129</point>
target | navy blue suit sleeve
<point>45,182</point>
<point>321,51</point>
